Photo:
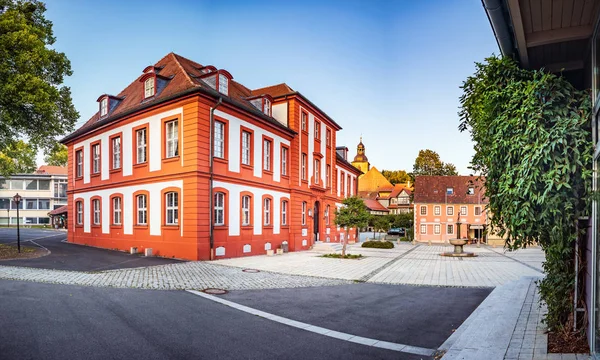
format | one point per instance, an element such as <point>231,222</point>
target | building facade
<point>42,192</point>
<point>442,202</point>
<point>194,165</point>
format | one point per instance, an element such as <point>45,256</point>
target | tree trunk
<point>344,245</point>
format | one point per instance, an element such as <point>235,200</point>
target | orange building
<point>440,202</point>
<point>194,165</point>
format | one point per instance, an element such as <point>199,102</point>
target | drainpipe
<point>494,10</point>
<point>211,195</point>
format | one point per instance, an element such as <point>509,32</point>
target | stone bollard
<point>133,250</point>
<point>279,251</point>
<point>148,252</point>
<point>270,252</point>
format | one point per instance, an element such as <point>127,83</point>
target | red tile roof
<point>181,78</point>
<point>61,210</point>
<point>52,170</point>
<point>374,205</point>
<point>432,189</point>
<point>398,189</point>
<point>274,90</point>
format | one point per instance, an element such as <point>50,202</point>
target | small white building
<point>42,192</point>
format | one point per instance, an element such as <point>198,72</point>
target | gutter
<point>495,13</point>
<point>211,170</point>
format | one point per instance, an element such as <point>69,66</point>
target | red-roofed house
<point>194,165</point>
<point>442,201</point>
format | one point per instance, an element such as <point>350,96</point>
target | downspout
<point>211,195</point>
<point>494,10</point>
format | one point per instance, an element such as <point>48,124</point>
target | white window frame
<point>79,163</point>
<point>246,147</point>
<point>317,129</point>
<point>219,140</point>
<point>267,155</point>
<point>142,209</point>
<point>284,154</point>
<point>449,191</point>
<point>267,107</point>
<point>328,174</point>
<point>303,171</point>
<point>149,87</point>
<point>451,227</point>
<point>79,207</point>
<point>437,229</point>
<point>317,174</point>
<point>477,208</point>
<point>96,215</point>
<point>96,158</point>
<point>267,211</point>
<point>172,138</point>
<point>449,210</point>
<point>141,146</point>
<point>303,213</point>
<point>172,208</point>
<point>437,210</point>
<point>117,207</point>
<point>219,208</point>
<point>465,212</point>
<point>284,205</point>
<point>246,201</point>
<point>116,152</point>
<point>303,120</point>
<point>421,210</point>
<point>223,84</point>
<point>471,190</point>
<point>104,107</point>
<point>423,229</point>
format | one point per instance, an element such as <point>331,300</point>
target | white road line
<point>320,330</point>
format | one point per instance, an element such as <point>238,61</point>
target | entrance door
<point>316,221</point>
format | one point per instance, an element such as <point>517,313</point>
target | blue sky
<point>390,71</point>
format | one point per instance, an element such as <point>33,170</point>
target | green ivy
<point>533,143</point>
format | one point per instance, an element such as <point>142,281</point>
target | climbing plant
<point>533,143</point>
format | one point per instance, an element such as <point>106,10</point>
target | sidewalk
<point>507,325</point>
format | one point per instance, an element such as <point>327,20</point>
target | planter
<point>270,252</point>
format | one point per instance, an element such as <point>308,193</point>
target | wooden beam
<point>559,35</point>
<point>517,20</point>
<point>564,66</point>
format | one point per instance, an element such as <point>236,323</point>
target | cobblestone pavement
<point>190,275</point>
<point>406,264</point>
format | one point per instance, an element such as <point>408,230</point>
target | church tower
<point>360,160</point>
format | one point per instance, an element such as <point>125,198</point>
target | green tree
<point>33,104</point>
<point>533,144</point>
<point>18,158</point>
<point>353,214</point>
<point>428,162</point>
<point>58,156</point>
<point>396,176</point>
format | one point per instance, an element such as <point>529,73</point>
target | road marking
<point>39,238</point>
<point>320,330</point>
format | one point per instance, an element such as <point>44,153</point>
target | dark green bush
<point>378,244</point>
<point>339,256</point>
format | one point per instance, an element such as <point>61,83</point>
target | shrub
<point>378,244</point>
<point>340,256</point>
<point>404,238</point>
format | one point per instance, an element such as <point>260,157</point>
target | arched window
<point>96,207</point>
<point>267,211</point>
<point>219,208</point>
<point>284,207</point>
<point>304,213</point>
<point>79,207</point>
<point>246,210</point>
<point>149,87</point>
<point>142,209</point>
<point>116,202</point>
<point>172,208</point>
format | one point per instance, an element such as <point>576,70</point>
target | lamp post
<point>17,199</point>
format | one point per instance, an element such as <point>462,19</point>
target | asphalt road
<point>65,256</point>
<point>414,315</point>
<point>44,321</point>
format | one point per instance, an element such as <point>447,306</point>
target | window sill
<point>318,140</point>
<point>285,176</point>
<point>247,167</point>
<point>112,171</point>
<point>96,225</point>
<point>79,226</point>
<point>76,178</point>
<point>247,227</point>
<point>94,174</point>
<point>220,160</point>
<point>220,227</point>
<point>268,172</point>
<point>144,164</point>
<point>115,226</point>
<point>171,227</point>
<point>171,159</point>
<point>317,154</point>
<point>304,132</point>
<point>285,226</point>
<point>267,226</point>
<point>304,181</point>
<point>140,226</point>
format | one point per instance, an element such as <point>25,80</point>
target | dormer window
<point>267,107</point>
<point>218,80</point>
<point>149,87</point>
<point>104,107</point>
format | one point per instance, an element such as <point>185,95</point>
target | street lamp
<point>17,199</point>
